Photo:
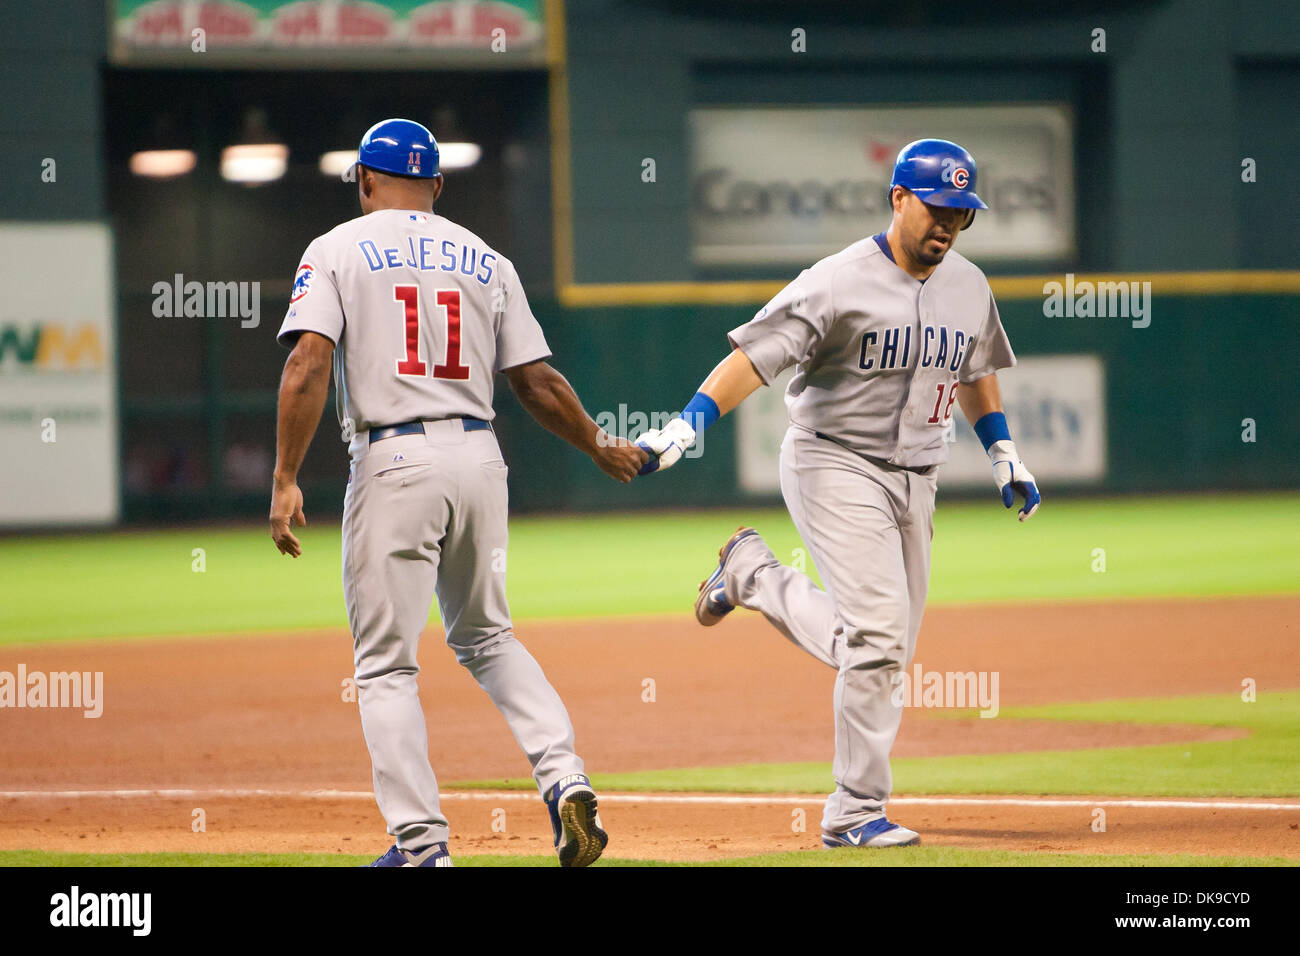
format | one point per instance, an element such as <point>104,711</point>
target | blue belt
<point>417,428</point>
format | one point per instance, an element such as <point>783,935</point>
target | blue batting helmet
<point>401,147</point>
<point>940,173</point>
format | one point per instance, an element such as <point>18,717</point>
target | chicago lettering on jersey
<point>886,349</point>
<point>427,254</point>
<point>935,347</point>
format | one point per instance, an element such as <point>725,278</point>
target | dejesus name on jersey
<point>879,353</point>
<point>423,314</point>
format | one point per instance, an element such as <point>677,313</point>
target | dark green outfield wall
<point>1176,394</point>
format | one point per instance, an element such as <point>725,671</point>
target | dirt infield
<point>640,828</point>
<point>217,715</point>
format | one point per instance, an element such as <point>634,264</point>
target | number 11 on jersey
<point>449,299</point>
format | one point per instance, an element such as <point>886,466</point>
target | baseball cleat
<point>879,832</point>
<point>436,855</point>
<point>711,605</point>
<point>579,838</point>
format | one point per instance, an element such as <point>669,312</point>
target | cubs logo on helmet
<point>940,173</point>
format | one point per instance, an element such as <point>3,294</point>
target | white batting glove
<point>1012,478</point>
<point>666,445</point>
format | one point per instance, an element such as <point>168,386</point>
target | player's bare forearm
<point>731,382</point>
<point>980,397</point>
<point>551,400</point>
<point>304,385</point>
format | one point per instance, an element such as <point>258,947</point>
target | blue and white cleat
<point>879,832</point>
<point>711,605</point>
<point>579,837</point>
<point>436,855</point>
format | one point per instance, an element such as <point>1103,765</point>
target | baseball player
<point>886,336</point>
<point>416,314</point>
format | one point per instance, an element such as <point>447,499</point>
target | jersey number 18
<point>934,418</point>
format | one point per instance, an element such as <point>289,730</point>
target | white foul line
<point>701,799</point>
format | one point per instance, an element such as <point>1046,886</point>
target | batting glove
<point>1013,478</point>
<point>666,445</point>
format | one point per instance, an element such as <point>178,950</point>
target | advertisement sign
<point>787,186</point>
<point>1055,407</point>
<point>250,30</point>
<point>58,376</point>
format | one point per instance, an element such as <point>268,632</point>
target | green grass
<point>72,587</point>
<point>1264,764</point>
<point>910,856</point>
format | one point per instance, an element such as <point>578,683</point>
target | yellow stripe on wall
<point>1006,288</point>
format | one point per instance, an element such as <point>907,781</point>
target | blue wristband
<point>992,427</point>
<point>701,412</point>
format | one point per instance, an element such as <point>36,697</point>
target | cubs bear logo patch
<point>302,282</point>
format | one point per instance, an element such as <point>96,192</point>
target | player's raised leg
<point>476,615</point>
<point>749,575</point>
<point>389,574</point>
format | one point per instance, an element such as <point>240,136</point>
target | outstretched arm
<point>730,383</point>
<point>549,398</point>
<point>981,402</point>
<point>303,387</point>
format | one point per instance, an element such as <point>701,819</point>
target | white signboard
<point>787,186</point>
<point>58,375</point>
<point>1055,406</point>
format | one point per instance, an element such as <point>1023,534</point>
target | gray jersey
<point>423,314</point>
<point>879,353</point>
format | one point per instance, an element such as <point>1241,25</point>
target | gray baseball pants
<point>425,515</point>
<point>868,526</point>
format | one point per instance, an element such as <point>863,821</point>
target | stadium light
<point>254,163</point>
<point>257,156</point>
<point>458,155</point>
<point>337,162</point>
<point>450,156</point>
<point>163,163</point>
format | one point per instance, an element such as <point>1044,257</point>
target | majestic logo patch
<point>302,282</point>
